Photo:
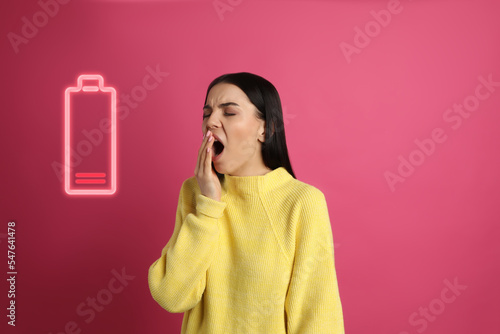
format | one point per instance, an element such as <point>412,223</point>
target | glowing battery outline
<point>85,177</point>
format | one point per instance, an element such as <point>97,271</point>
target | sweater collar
<point>255,184</point>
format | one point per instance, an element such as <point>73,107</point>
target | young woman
<point>252,246</point>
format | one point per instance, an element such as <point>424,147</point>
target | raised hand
<point>207,179</point>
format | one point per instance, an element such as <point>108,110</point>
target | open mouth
<point>218,147</point>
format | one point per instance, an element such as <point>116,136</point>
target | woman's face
<point>231,117</point>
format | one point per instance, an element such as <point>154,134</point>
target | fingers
<point>208,155</point>
<point>204,158</point>
<point>200,154</point>
<point>205,175</point>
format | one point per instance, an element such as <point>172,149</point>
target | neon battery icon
<point>90,137</point>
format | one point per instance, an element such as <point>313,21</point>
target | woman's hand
<point>205,175</point>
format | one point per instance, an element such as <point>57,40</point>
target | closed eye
<point>224,114</point>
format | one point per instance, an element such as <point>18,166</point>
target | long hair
<point>266,99</point>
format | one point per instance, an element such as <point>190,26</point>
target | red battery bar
<point>90,137</point>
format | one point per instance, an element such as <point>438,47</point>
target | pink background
<point>349,121</point>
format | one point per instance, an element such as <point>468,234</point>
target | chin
<point>218,168</point>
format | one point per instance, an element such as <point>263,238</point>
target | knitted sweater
<point>260,260</point>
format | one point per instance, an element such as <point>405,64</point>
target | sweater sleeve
<point>177,279</point>
<point>313,303</point>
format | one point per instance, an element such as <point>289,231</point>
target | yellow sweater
<point>258,261</point>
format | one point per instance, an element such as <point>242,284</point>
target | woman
<point>252,247</point>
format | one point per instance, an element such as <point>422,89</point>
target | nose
<point>212,121</point>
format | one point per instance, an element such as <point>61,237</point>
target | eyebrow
<point>207,106</point>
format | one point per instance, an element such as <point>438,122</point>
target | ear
<point>262,132</point>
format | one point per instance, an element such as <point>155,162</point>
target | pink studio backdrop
<point>391,109</point>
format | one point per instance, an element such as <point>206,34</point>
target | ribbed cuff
<point>210,207</point>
